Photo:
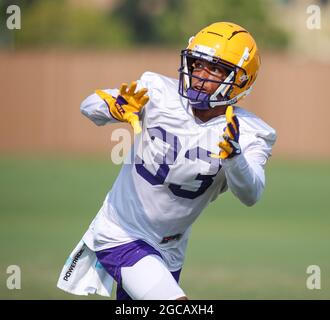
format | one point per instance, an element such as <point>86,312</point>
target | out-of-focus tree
<point>172,22</point>
<point>48,23</point>
<point>7,37</point>
<point>151,21</point>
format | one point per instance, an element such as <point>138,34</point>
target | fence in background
<point>40,94</point>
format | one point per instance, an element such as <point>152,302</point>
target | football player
<point>193,143</point>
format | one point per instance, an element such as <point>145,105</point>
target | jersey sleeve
<point>245,173</point>
<point>97,110</point>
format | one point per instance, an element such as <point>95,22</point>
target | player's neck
<point>206,115</point>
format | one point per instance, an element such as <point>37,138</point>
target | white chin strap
<point>223,88</point>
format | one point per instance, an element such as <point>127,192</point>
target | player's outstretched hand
<point>229,146</point>
<point>128,104</point>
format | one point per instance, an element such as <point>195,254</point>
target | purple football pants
<point>126,255</point>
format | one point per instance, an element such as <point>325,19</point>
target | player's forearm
<point>96,110</point>
<point>245,180</point>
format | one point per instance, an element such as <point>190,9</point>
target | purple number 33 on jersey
<point>170,157</point>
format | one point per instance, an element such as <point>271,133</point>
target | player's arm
<point>245,176</point>
<point>106,106</point>
<point>244,171</point>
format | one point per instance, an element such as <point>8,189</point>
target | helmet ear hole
<point>244,83</point>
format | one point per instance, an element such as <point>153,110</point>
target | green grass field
<point>235,252</point>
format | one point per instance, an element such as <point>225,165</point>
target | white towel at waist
<point>82,274</point>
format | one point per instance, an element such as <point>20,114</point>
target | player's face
<point>210,71</point>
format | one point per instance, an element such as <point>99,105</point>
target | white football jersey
<point>169,177</point>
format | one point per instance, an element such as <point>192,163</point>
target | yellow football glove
<point>230,146</point>
<point>128,104</point>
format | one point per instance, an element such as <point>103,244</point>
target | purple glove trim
<point>121,100</point>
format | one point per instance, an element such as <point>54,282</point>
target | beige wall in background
<point>40,94</point>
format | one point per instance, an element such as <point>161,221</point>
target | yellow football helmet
<point>233,48</point>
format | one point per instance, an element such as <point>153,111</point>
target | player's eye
<point>198,65</point>
<point>215,69</point>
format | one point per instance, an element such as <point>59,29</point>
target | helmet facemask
<point>222,95</point>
